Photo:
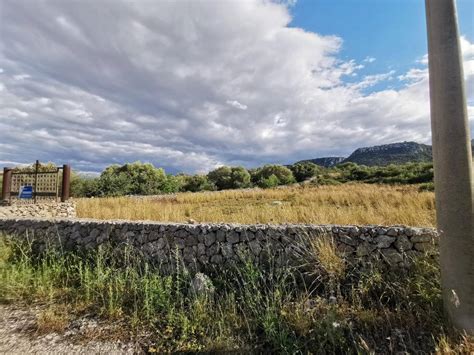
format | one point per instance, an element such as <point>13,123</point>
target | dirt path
<point>18,335</point>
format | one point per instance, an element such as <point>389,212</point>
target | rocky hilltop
<point>394,153</point>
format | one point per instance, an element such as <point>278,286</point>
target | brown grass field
<point>342,204</point>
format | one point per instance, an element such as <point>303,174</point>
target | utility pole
<point>452,163</point>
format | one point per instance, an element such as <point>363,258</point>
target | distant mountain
<point>327,162</point>
<point>395,153</point>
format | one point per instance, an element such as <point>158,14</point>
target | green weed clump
<point>323,306</point>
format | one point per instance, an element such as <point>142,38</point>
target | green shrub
<point>49,166</point>
<point>304,171</point>
<point>410,173</point>
<point>227,177</point>
<point>197,183</point>
<point>84,186</point>
<point>427,186</point>
<point>282,174</point>
<point>269,182</point>
<point>132,179</point>
<point>172,184</point>
<point>325,180</point>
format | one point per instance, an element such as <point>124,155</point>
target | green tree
<point>49,166</point>
<point>84,186</point>
<point>227,177</point>
<point>283,175</point>
<point>172,184</point>
<point>240,177</point>
<point>132,179</point>
<point>360,173</point>
<point>197,183</point>
<point>303,171</point>
<point>269,182</point>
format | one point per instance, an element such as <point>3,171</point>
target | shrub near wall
<point>199,246</point>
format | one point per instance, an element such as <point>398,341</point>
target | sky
<point>191,85</point>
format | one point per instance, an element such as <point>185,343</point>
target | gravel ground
<point>18,335</point>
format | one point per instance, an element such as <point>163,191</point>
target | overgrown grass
<point>326,305</point>
<point>341,204</point>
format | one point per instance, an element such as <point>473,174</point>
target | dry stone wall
<point>43,210</point>
<point>200,246</point>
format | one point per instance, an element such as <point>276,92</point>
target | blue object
<point>26,192</point>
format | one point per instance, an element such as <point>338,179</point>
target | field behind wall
<point>340,204</point>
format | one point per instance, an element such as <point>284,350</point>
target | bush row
<point>145,179</point>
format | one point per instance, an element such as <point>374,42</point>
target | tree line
<point>145,179</point>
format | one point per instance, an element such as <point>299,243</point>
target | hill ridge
<point>381,155</point>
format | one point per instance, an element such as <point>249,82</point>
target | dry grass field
<point>342,204</point>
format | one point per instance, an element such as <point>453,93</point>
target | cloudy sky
<point>189,85</point>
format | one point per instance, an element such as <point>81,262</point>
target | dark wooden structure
<point>50,184</point>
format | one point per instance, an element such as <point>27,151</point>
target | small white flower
<point>336,324</point>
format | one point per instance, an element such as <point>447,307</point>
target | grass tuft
<point>52,320</point>
<point>330,261</point>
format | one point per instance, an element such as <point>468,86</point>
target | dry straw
<point>343,204</point>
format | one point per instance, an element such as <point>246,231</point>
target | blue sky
<point>392,31</point>
<point>191,85</point>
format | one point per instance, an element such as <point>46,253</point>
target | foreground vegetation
<point>333,204</point>
<point>323,306</point>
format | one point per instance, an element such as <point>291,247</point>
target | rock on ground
<point>202,285</point>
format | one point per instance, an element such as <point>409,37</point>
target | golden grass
<point>464,346</point>
<point>52,321</point>
<point>328,257</point>
<point>342,204</point>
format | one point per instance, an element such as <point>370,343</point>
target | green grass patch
<point>284,310</point>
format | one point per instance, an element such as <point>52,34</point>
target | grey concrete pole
<point>452,163</point>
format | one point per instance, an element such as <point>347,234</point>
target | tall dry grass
<point>342,204</point>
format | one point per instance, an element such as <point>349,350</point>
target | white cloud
<point>189,86</point>
<point>369,59</point>
<point>236,104</point>
<point>371,80</point>
<point>21,76</point>
<point>423,60</point>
